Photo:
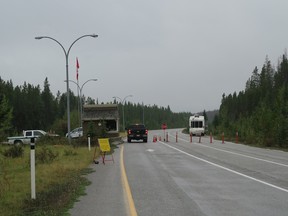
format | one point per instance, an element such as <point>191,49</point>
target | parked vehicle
<point>197,125</point>
<point>76,133</point>
<point>26,138</point>
<point>137,132</point>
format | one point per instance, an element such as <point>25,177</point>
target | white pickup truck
<point>26,138</point>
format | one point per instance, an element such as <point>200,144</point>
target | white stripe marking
<point>150,150</point>
<point>227,169</point>
<point>267,161</point>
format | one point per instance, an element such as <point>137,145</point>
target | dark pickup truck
<point>137,132</point>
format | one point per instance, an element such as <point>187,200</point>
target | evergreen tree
<point>5,116</point>
<point>260,113</point>
<point>49,106</point>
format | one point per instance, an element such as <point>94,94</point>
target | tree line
<point>260,112</point>
<point>29,107</point>
<point>152,116</point>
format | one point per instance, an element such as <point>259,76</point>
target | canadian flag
<point>77,67</point>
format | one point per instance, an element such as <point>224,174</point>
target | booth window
<point>111,125</point>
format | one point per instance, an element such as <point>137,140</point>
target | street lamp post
<point>80,90</point>
<point>67,72</point>
<point>122,102</point>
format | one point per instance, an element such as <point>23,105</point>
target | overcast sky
<point>183,53</point>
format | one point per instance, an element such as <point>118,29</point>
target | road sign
<point>104,148</point>
<point>104,145</point>
<point>164,126</point>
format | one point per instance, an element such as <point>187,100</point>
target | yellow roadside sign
<point>104,145</point>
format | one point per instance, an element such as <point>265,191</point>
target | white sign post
<point>32,163</point>
<point>89,143</point>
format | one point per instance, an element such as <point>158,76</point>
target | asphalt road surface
<point>188,178</point>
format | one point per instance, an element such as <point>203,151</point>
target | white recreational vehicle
<point>197,125</point>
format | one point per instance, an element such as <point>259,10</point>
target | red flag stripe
<point>77,67</point>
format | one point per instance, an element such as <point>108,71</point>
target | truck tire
<point>129,140</point>
<point>145,140</point>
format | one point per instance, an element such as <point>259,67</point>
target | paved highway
<point>184,178</point>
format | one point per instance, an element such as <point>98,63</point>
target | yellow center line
<point>127,191</point>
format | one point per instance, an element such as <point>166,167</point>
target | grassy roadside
<point>60,171</point>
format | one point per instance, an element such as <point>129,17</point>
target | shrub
<point>45,155</point>
<point>52,140</point>
<point>14,151</point>
<point>57,196</point>
<point>69,152</point>
<point>4,179</point>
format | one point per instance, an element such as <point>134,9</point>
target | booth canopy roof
<point>100,112</point>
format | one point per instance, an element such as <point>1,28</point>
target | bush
<point>45,155</point>
<point>4,177</point>
<point>69,152</point>
<point>57,196</point>
<point>52,140</point>
<point>14,151</point>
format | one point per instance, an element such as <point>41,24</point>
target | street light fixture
<point>80,90</point>
<point>67,72</point>
<point>122,102</point>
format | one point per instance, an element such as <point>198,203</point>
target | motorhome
<point>197,125</point>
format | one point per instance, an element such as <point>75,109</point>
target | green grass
<point>60,179</point>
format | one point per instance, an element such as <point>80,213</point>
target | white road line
<point>267,161</point>
<point>227,169</point>
<point>150,150</point>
